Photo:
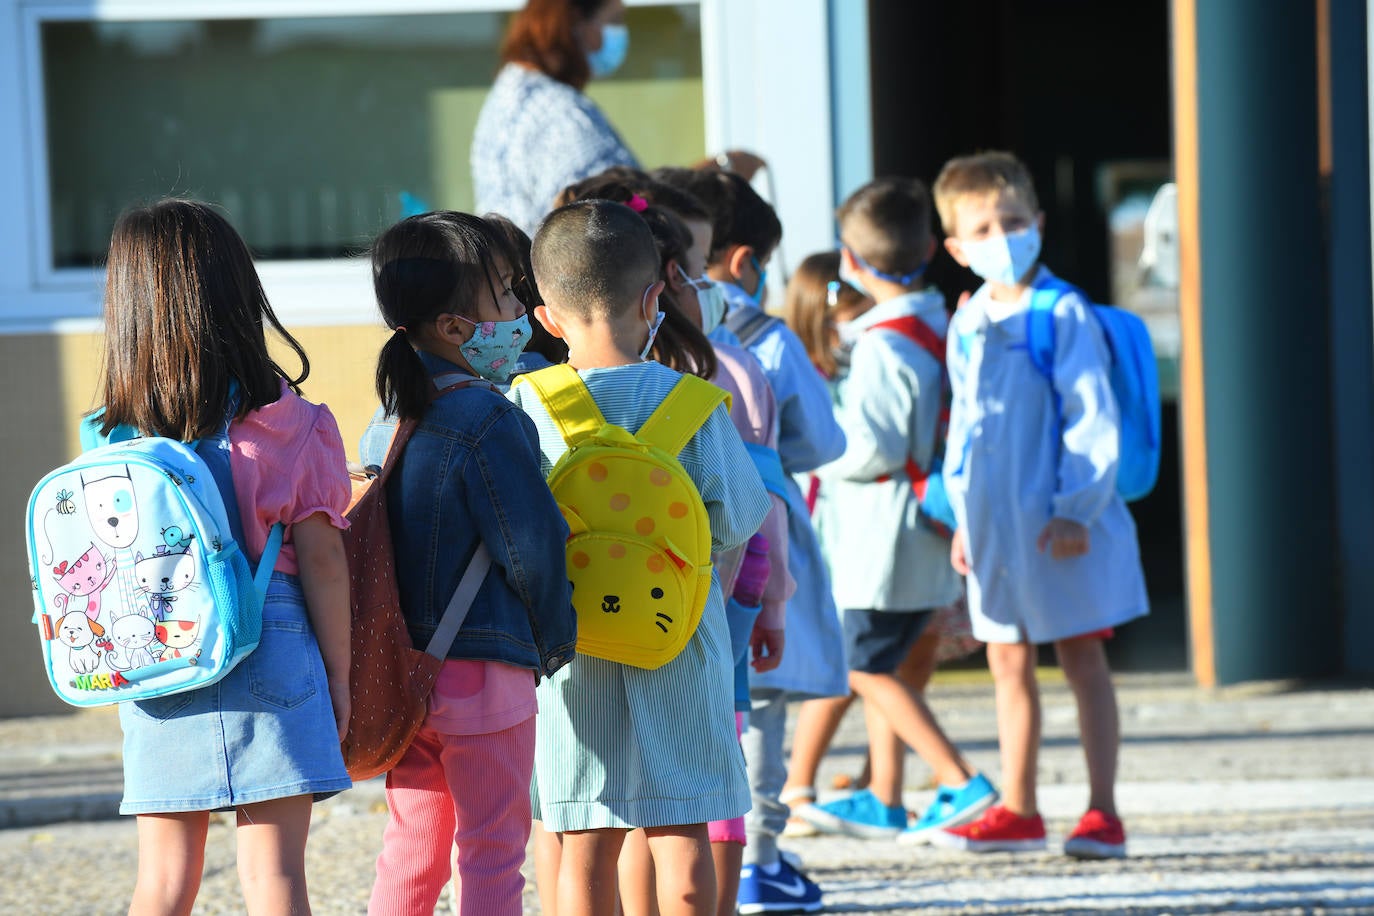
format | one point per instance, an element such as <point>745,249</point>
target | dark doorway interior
<point>1069,86</point>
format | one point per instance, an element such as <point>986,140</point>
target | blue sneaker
<point>781,889</point>
<point>952,807</point>
<point>860,815</point>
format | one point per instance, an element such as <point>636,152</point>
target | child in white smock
<point>1047,544</point>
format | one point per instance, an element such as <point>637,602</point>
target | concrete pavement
<point>1257,799</point>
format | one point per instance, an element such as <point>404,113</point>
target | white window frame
<point>765,82</point>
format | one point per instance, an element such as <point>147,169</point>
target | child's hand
<point>1064,538</point>
<point>765,645</point>
<point>958,553</point>
<point>343,705</point>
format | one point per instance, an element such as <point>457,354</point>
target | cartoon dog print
<point>76,631</point>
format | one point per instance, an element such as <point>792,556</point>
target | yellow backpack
<point>639,551</point>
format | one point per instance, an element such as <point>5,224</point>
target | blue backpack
<point>140,588</point>
<point>1134,379</point>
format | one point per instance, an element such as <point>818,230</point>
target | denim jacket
<point>471,471</point>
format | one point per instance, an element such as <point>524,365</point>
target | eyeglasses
<point>832,294</point>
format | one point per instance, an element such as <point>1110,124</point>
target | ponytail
<point>402,381</point>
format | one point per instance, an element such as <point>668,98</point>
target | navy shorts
<point>876,642</point>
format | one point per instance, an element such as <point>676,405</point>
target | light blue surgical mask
<point>757,295</point>
<point>615,45</point>
<point>1004,259</point>
<point>710,300</point>
<point>851,279</point>
<point>494,345</point>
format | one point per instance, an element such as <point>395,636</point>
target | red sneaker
<point>998,830</point>
<point>1097,836</point>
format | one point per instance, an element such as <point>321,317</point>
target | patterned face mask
<point>494,345</point>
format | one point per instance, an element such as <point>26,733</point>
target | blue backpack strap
<point>769,465</point>
<point>214,451</point>
<point>1040,336</point>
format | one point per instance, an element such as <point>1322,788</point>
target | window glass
<point>312,133</point>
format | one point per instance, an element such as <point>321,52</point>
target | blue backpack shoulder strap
<point>1040,334</point>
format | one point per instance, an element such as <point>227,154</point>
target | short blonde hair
<point>980,174</point>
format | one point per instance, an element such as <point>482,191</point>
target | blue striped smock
<point>623,747</point>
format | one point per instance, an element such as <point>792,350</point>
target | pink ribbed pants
<point>460,808</point>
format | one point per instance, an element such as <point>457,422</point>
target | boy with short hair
<point>1047,543</point>
<point>745,233</point>
<point>889,566</point>
<point>620,747</point>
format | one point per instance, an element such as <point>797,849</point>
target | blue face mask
<point>853,279</point>
<point>494,345</point>
<point>757,295</point>
<point>615,44</point>
<point>1004,259</point>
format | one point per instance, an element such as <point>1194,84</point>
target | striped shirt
<point>619,746</point>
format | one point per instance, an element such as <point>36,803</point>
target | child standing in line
<point>459,799</point>
<point>621,747</point>
<point>890,406</point>
<point>694,304</point>
<point>746,230</point>
<point>184,315</point>
<point>1047,543</point>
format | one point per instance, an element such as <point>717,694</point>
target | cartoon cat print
<point>133,633</point>
<point>178,636</point>
<point>161,576</point>
<point>84,577</point>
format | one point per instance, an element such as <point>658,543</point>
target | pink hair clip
<point>637,203</point>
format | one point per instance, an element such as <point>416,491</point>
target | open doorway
<point>1080,91</point>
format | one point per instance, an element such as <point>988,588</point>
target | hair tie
<point>637,203</point>
<point>400,329</point>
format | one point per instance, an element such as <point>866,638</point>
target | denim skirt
<point>263,731</point>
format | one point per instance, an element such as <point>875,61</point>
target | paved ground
<point>1251,800</point>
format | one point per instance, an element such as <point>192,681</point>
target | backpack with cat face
<point>140,587</point>
<point>639,548</point>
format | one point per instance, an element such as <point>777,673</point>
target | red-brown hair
<point>541,35</point>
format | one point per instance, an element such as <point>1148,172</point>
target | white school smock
<point>881,556</point>
<point>813,662</point>
<point>1012,462</point>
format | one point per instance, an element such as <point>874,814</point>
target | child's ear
<point>651,300</point>
<point>1040,222</point>
<point>544,317</point>
<point>737,261</point>
<point>451,329</point>
<point>930,249</point>
<point>674,272</point>
<point>956,251</point>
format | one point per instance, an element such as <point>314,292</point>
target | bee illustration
<point>216,544</point>
<point>65,505</point>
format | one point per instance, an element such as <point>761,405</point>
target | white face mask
<point>1004,259</point>
<point>710,300</point>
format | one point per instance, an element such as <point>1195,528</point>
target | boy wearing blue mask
<point>745,230</point>
<point>888,561</point>
<point>1047,543</point>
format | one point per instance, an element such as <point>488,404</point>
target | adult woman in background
<point>538,132</point>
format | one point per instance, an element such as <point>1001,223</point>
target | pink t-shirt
<point>288,464</point>
<point>478,697</point>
